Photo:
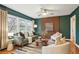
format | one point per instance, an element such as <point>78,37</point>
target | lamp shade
<point>10,34</point>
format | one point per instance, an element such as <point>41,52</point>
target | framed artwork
<point>49,26</point>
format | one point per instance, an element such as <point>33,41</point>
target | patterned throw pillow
<point>60,41</point>
<point>63,40</point>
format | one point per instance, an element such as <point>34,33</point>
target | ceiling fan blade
<point>50,10</point>
<point>51,13</point>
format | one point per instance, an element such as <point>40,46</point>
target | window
<point>12,23</point>
<point>17,24</point>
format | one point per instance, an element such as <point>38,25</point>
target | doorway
<point>73,33</point>
<point>73,28</point>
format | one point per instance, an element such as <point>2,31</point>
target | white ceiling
<point>33,9</point>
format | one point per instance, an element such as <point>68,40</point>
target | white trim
<point>77,45</point>
<point>71,25</point>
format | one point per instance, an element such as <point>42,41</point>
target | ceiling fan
<point>45,12</point>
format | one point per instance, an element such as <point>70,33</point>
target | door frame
<point>73,19</point>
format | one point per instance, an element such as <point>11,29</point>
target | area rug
<point>30,49</point>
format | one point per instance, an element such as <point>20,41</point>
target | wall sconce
<point>35,26</point>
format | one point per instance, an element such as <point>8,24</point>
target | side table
<point>9,45</point>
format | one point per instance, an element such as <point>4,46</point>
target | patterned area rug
<point>30,49</point>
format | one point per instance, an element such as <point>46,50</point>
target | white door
<point>73,28</point>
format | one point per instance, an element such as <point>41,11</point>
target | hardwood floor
<point>6,52</point>
<point>74,51</point>
<point>77,50</point>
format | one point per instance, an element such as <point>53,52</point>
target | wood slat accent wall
<point>54,20</point>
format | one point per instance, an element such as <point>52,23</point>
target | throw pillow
<point>63,40</point>
<point>57,42</point>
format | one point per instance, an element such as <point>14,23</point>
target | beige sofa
<point>56,49</point>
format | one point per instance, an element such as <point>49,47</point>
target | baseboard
<point>77,45</point>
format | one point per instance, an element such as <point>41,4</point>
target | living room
<point>39,28</point>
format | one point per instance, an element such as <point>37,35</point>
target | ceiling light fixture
<point>44,12</point>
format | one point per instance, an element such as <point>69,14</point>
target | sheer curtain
<point>3,29</point>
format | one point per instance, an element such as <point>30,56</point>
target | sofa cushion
<point>56,49</point>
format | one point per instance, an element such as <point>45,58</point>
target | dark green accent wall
<point>15,13</point>
<point>76,12</point>
<point>38,29</point>
<point>65,26</point>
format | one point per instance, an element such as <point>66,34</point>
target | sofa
<point>56,49</point>
<point>19,40</point>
